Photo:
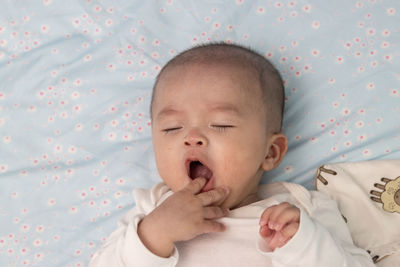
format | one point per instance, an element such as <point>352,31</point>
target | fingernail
<point>273,225</point>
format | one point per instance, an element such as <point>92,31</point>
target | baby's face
<point>210,121</point>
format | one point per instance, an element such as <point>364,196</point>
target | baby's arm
<point>183,216</point>
<point>124,247</point>
<point>322,237</point>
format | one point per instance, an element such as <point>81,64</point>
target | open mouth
<point>198,169</point>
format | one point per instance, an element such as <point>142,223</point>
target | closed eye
<point>172,129</point>
<point>221,127</point>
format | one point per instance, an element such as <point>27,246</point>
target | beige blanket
<point>368,195</point>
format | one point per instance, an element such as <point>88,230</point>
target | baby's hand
<point>183,216</point>
<point>279,223</point>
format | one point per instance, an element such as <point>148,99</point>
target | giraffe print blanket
<point>368,196</point>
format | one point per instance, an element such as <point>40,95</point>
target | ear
<point>276,150</point>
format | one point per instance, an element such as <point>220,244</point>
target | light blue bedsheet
<point>75,86</point>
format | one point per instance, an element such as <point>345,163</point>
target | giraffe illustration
<point>322,169</point>
<point>389,196</point>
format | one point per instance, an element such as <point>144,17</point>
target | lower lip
<point>208,186</point>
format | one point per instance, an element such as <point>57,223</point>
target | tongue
<point>199,170</point>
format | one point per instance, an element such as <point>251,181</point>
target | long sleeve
<point>124,248</point>
<point>322,239</point>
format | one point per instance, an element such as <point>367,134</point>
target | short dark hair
<point>270,80</point>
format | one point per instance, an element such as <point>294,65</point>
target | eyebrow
<point>167,111</point>
<point>219,107</point>
<point>226,107</point>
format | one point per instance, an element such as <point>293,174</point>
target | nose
<point>195,138</point>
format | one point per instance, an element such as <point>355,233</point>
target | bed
<point>75,86</point>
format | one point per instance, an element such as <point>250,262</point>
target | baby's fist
<point>279,223</point>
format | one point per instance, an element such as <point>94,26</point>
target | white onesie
<point>321,240</point>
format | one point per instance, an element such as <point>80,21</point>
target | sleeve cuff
<point>137,254</point>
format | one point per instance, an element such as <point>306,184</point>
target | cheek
<point>243,154</point>
<point>162,146</point>
<point>168,163</point>
<point>240,164</point>
<point>170,174</point>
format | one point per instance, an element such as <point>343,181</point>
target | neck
<point>248,200</point>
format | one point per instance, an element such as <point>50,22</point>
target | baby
<point>216,126</point>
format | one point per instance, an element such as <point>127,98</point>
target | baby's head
<point>217,112</point>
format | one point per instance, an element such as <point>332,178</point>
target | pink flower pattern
<point>75,89</point>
